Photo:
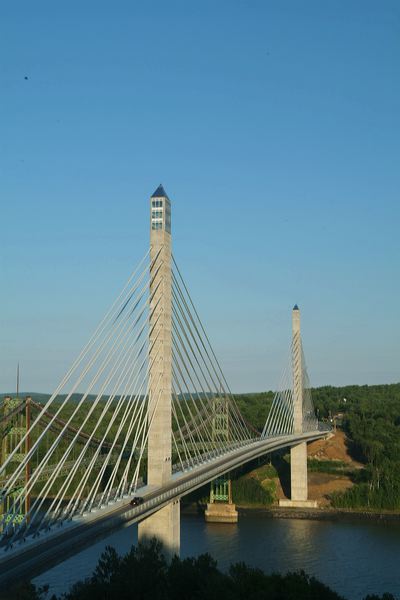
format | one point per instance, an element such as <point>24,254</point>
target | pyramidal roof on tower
<point>160,192</point>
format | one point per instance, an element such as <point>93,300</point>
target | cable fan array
<point>280,419</point>
<point>108,422</point>
<point>86,450</point>
<point>206,420</point>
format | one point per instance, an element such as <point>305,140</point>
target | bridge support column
<point>165,526</point>
<point>221,509</point>
<point>298,453</point>
<point>298,474</point>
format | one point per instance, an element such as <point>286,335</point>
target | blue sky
<point>274,127</point>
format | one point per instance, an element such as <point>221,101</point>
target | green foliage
<point>328,466</point>
<point>250,583</point>
<point>329,400</point>
<point>248,490</point>
<point>373,425</point>
<point>255,407</point>
<point>142,573</point>
<point>25,590</point>
<point>266,470</point>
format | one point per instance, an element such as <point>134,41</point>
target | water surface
<point>355,558</point>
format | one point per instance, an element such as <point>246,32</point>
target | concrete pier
<point>221,512</point>
<point>165,526</point>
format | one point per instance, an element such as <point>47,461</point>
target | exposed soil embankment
<point>322,484</point>
<point>336,447</point>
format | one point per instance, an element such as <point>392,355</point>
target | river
<point>355,558</point>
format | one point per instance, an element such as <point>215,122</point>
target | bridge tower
<point>221,509</point>
<point>165,523</point>
<point>298,453</point>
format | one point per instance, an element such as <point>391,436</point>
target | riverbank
<point>314,514</point>
<point>322,514</point>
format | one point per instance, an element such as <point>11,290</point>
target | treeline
<point>370,416</point>
<point>144,573</point>
<point>329,401</point>
<point>372,424</point>
<point>255,407</point>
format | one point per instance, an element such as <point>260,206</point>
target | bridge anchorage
<point>144,410</point>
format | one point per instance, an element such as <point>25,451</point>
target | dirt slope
<point>321,485</point>
<point>334,448</point>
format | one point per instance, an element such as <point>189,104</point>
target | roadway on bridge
<point>27,559</point>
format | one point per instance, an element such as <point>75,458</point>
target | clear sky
<point>273,126</point>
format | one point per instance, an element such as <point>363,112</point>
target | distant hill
<point>328,400</point>
<point>42,398</point>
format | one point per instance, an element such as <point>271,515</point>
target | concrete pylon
<point>298,453</point>
<point>164,524</point>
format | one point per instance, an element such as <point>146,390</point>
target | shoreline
<point>312,514</point>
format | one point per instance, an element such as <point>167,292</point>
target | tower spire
<point>160,192</point>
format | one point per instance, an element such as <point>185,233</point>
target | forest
<point>372,424</point>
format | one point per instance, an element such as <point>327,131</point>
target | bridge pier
<point>221,509</point>
<point>298,453</point>
<point>165,526</point>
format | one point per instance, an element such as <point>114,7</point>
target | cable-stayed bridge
<point>156,419</point>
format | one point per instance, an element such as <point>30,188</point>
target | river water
<point>355,558</point>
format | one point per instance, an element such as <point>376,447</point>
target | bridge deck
<point>37,554</point>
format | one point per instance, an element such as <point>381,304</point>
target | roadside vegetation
<point>256,487</point>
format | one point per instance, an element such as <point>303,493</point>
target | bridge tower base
<point>298,479</point>
<point>165,526</point>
